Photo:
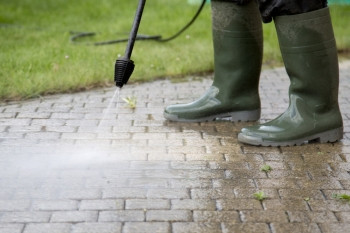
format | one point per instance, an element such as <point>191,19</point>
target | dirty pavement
<point>65,170</point>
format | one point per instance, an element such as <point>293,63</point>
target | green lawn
<point>38,58</point>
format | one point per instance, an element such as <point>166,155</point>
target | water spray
<point>124,66</point>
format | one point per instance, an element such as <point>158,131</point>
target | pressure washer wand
<point>124,66</point>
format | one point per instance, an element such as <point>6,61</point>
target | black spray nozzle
<point>124,66</point>
<point>122,71</point>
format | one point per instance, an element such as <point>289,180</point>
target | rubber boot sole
<point>232,116</point>
<point>324,137</point>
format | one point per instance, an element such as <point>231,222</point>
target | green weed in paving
<point>260,195</point>
<point>37,58</point>
<point>343,197</point>
<point>266,168</point>
<point>131,101</point>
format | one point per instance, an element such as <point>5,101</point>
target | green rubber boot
<point>310,56</point>
<point>237,39</point>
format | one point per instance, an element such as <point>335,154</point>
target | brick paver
<point>63,169</point>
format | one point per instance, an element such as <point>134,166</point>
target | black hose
<point>186,26</point>
<point>77,35</point>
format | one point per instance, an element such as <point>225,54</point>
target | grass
<point>37,57</point>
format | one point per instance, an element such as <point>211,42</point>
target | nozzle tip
<point>122,71</point>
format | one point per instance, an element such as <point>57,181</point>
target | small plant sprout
<point>260,195</point>
<point>131,101</point>
<point>343,197</point>
<point>266,168</point>
<point>307,199</point>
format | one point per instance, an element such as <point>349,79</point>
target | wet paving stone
<point>65,170</point>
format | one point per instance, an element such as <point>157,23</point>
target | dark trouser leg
<point>273,8</point>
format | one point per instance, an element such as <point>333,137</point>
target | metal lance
<point>124,66</point>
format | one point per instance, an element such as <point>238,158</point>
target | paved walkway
<point>62,173</point>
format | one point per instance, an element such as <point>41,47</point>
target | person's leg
<point>310,56</point>
<point>238,42</point>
